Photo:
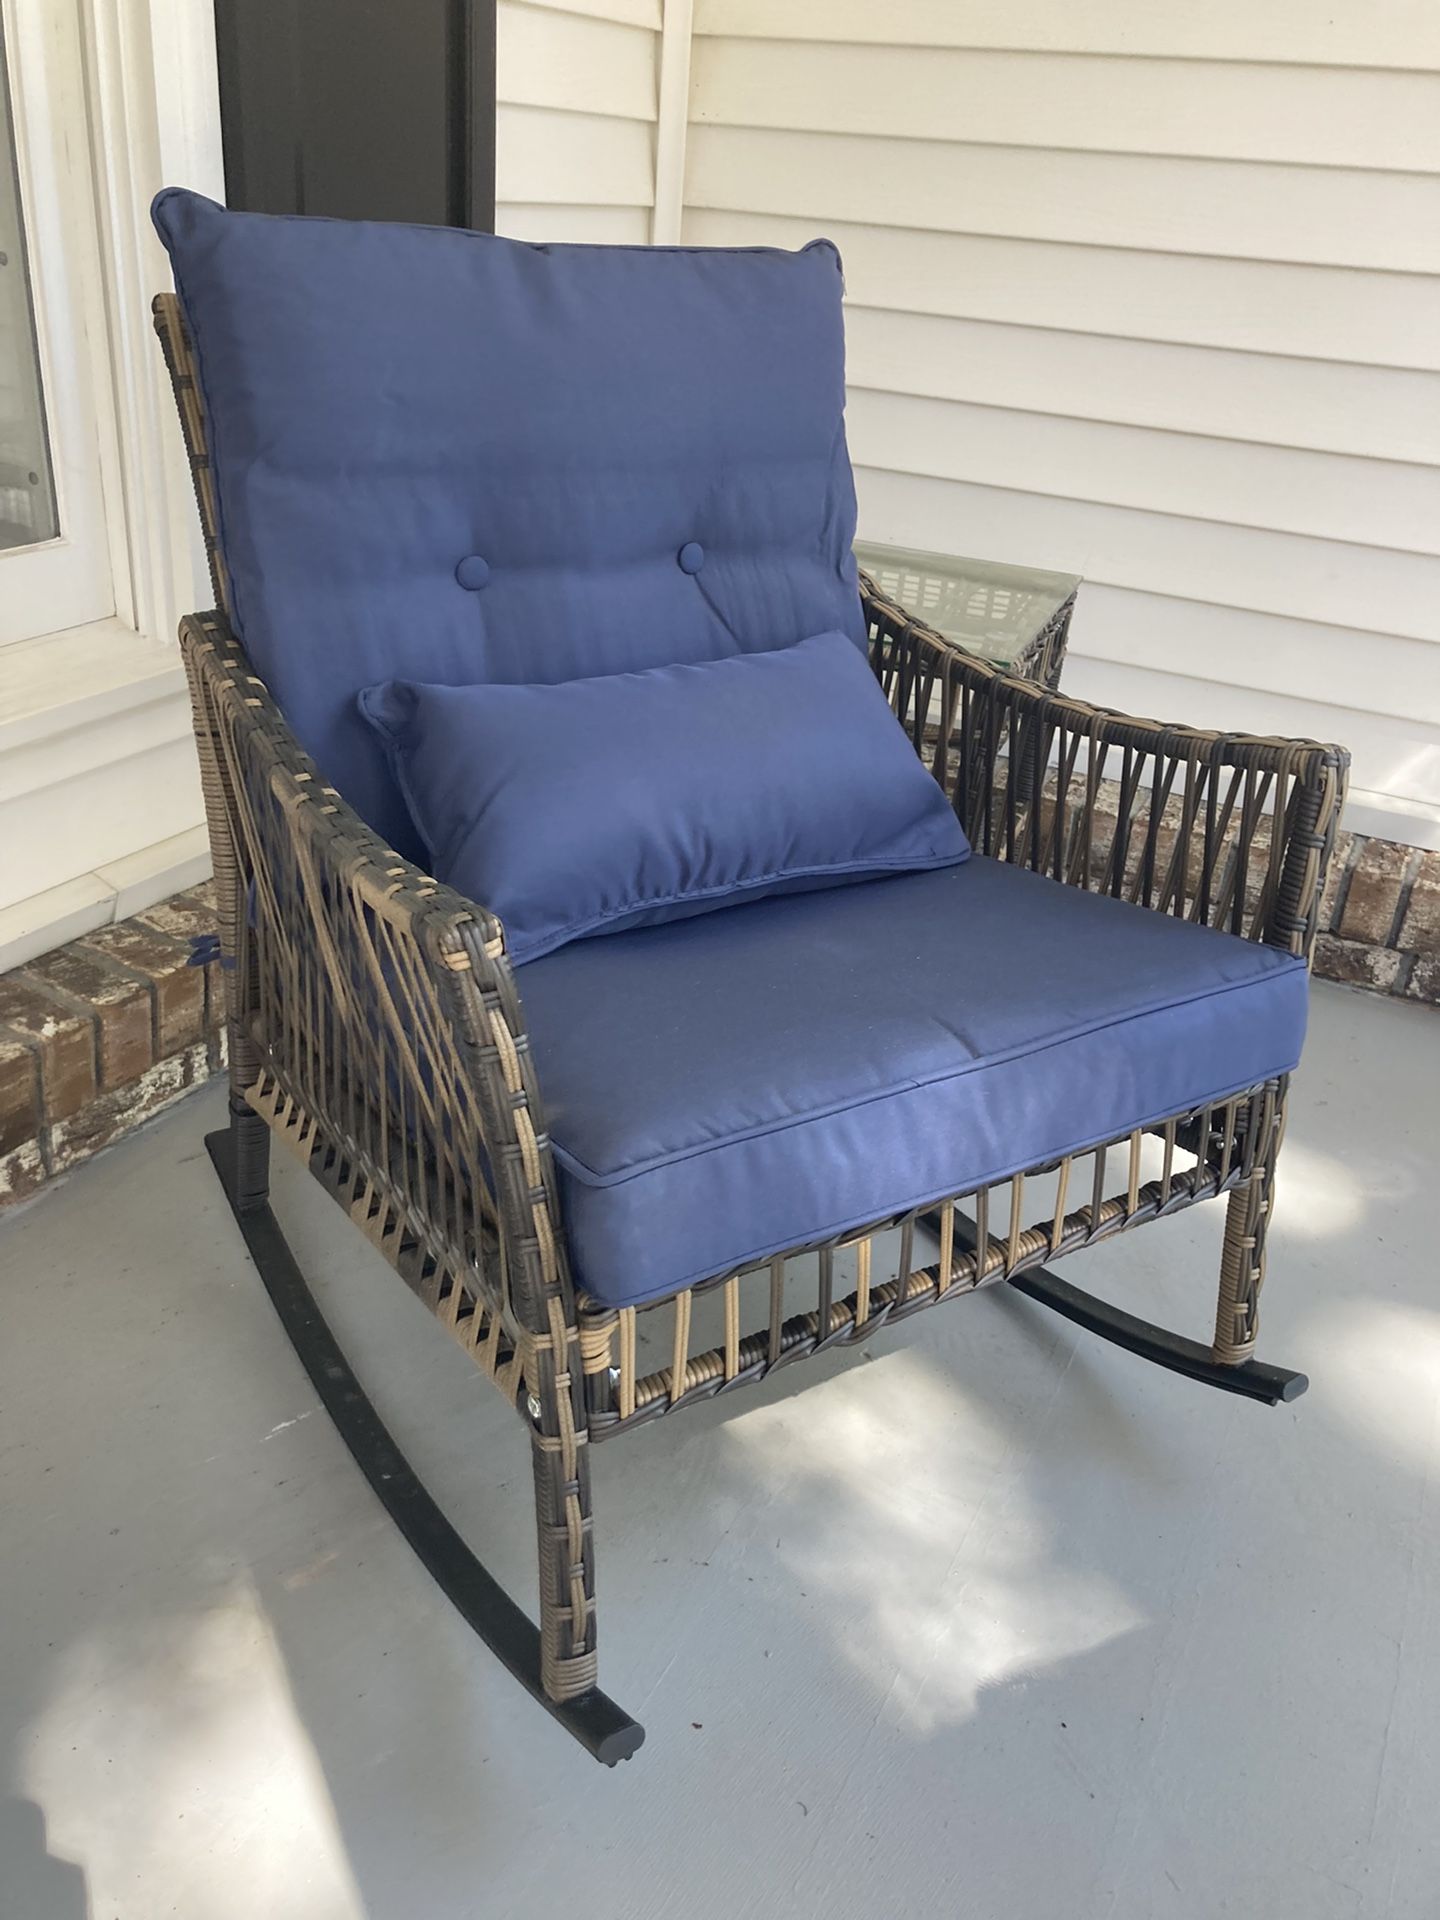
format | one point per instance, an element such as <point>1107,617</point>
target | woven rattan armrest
<point>1232,830</point>
<point>381,1006</point>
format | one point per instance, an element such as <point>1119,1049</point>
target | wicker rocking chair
<point>377,1028</point>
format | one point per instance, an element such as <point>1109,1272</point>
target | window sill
<point>100,808</point>
<point>59,681</point>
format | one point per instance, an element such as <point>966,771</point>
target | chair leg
<point>1242,1258</point>
<point>248,1147</point>
<point>1242,1267</point>
<point>245,1145</point>
<point>541,1661</point>
<point>567,1569</point>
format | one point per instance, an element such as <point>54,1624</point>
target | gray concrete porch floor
<point>989,1620</point>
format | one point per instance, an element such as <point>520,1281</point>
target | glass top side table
<point>1016,617</point>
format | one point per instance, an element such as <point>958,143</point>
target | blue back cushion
<point>447,457</point>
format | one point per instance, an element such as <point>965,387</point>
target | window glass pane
<point>27,486</point>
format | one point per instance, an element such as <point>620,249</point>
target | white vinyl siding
<point>1371,320</point>
<point>1403,34</point>
<point>1312,216</point>
<point>1142,291</point>
<point>575,121</point>
<point>1218,110</point>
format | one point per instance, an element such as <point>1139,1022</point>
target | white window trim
<point>63,579</point>
<point>71,735</point>
<point>155,120</point>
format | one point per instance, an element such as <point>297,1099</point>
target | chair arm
<point>1231,830</point>
<point>380,1008</point>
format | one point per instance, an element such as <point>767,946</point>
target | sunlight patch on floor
<point>1385,1375</point>
<point>1324,1197</point>
<point>172,1757</point>
<point>929,1535</point>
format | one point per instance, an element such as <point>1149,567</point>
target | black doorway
<point>360,109</point>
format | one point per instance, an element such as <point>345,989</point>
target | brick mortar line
<point>154,983</point>
<point>1408,878</point>
<point>1347,875</point>
<point>124,972</point>
<point>69,1003</point>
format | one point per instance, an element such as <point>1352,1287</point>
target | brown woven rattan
<point>376,1028</point>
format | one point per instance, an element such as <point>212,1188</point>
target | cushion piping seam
<point>531,246</point>
<point>619,1178</point>
<point>846,1226</point>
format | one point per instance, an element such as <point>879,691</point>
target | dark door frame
<point>360,109</point>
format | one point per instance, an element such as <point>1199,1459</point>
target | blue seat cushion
<point>633,798</point>
<point>723,1088</point>
<point>448,457</point>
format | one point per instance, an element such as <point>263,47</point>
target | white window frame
<point>141,74</point>
<point>154,107</point>
<point>99,795</point>
<point>64,581</point>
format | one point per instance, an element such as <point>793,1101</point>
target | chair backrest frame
<point>180,364</point>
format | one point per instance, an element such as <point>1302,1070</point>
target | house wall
<point>1144,291</point>
<point>1141,289</point>
<point>577,87</point>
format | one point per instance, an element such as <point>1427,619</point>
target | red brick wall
<point>97,1036</point>
<point>1381,919</point>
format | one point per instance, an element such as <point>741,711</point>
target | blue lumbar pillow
<point>630,798</point>
<point>451,457</point>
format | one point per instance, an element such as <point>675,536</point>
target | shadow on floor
<point>32,1881</point>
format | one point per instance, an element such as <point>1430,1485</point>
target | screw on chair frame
<point>376,1029</point>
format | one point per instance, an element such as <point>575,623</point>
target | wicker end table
<point>1017,617</point>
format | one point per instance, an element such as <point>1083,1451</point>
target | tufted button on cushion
<point>473,572</point>
<point>691,557</point>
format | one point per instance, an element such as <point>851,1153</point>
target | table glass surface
<point>993,609</point>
